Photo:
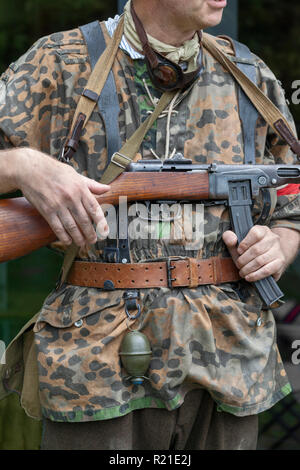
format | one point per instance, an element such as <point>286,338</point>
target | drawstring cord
<point>167,112</point>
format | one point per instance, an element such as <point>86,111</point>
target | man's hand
<point>64,198</point>
<point>263,252</point>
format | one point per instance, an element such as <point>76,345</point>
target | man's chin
<point>213,20</point>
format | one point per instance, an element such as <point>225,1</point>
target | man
<point>215,363</point>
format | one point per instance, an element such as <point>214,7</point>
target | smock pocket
<point>245,303</point>
<point>78,335</point>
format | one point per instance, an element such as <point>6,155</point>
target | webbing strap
<point>263,104</point>
<point>129,150</point>
<point>98,77</point>
<point>248,113</point>
<point>108,102</point>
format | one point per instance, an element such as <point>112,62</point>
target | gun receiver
<point>238,185</point>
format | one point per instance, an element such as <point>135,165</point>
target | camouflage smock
<point>213,337</point>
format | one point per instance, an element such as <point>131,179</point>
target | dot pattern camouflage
<point>207,337</point>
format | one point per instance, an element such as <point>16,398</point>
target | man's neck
<point>161,25</point>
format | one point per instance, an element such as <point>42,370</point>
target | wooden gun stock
<point>23,229</point>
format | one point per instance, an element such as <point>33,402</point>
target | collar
<point>111,25</point>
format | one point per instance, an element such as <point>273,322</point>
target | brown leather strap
<point>187,272</point>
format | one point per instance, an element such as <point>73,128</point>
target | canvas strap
<point>122,159</point>
<point>98,77</point>
<point>263,104</point>
<point>108,103</point>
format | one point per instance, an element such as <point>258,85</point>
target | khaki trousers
<point>195,425</point>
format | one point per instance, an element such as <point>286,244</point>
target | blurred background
<point>270,29</point>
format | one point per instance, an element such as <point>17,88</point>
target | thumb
<point>95,187</point>
<point>231,241</point>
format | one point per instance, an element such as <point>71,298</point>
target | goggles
<point>164,74</point>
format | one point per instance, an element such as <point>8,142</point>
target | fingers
<point>273,268</point>
<point>80,215</point>
<point>64,198</point>
<point>230,240</point>
<point>259,255</point>
<point>71,225</point>
<point>76,224</point>
<point>95,187</point>
<point>59,230</point>
<point>256,234</point>
<point>97,216</point>
<point>75,220</point>
<point>93,208</point>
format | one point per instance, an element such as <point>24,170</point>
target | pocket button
<point>78,323</point>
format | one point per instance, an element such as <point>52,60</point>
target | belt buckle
<point>169,269</point>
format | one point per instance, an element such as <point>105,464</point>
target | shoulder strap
<point>91,94</point>
<point>263,104</point>
<point>108,102</point>
<point>248,113</point>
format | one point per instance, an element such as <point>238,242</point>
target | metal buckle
<point>62,158</point>
<point>120,164</point>
<point>130,299</point>
<point>111,254</point>
<point>169,269</point>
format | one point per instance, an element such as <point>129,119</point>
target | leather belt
<point>188,272</point>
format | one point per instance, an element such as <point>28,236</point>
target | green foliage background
<point>271,29</point>
<point>268,27</point>
<point>24,21</point>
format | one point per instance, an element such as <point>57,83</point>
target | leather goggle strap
<point>152,56</point>
<point>147,49</point>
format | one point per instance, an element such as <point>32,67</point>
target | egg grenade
<point>135,355</point>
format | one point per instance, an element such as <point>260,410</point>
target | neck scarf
<point>188,52</point>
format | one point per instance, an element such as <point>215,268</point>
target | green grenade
<point>136,355</point>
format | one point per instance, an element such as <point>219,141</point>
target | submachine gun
<point>24,230</point>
